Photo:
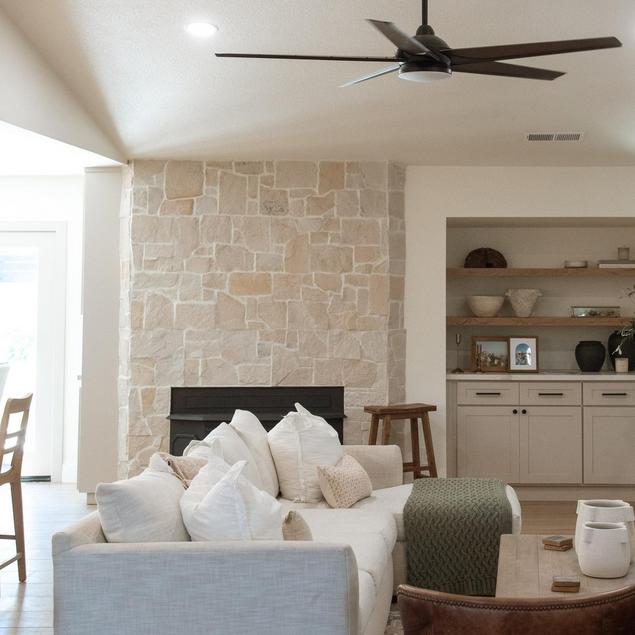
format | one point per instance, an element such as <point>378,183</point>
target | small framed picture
<point>523,354</point>
<point>490,354</point>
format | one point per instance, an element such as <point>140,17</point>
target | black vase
<point>628,350</point>
<point>590,356</point>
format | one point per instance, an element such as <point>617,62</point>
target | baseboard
<point>90,498</point>
<point>69,473</point>
<point>559,493</point>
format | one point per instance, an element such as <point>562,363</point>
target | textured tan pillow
<point>345,483</point>
<point>294,527</point>
<point>185,468</point>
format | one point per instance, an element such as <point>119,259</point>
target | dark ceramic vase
<point>590,356</point>
<point>628,350</point>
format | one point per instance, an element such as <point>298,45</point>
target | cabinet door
<point>550,444</point>
<point>487,442</point>
<point>609,445</point>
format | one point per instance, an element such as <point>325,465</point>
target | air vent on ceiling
<point>555,136</point>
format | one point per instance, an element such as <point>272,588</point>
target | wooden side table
<point>401,412</point>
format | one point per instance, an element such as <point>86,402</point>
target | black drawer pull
<point>551,394</point>
<point>614,394</point>
<point>488,394</point>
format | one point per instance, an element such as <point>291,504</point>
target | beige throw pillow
<point>345,483</point>
<point>185,468</point>
<point>294,527</point>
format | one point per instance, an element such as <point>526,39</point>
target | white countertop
<point>553,375</point>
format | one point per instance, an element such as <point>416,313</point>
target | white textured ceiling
<point>159,93</point>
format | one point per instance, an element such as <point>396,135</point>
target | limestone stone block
<point>216,229</point>
<point>254,374</point>
<point>290,174</point>
<point>232,197</point>
<point>192,372</point>
<point>373,203</point>
<point>297,258</point>
<point>233,258</point>
<point>313,344</point>
<point>313,294</point>
<point>312,315</point>
<point>320,205</point>
<point>217,372</point>
<point>214,281</point>
<point>178,207</point>
<point>158,250</point>
<point>220,165</point>
<point>159,312</point>
<point>211,176</point>
<point>374,345</point>
<point>344,345</point>
<point>156,344</point>
<point>367,174</point>
<point>249,167</point>
<point>301,377</point>
<point>396,176</point>
<point>144,229</point>
<point>140,198</point>
<point>185,234</point>
<point>230,313</point>
<point>155,198</point>
<point>267,180</point>
<point>269,262</point>
<point>239,346</point>
<point>286,286</point>
<point>360,231</point>
<point>284,364</point>
<point>283,230</point>
<point>359,373</point>
<point>193,315</point>
<point>200,264</point>
<point>254,232</point>
<point>332,175</point>
<point>328,281</point>
<point>273,313</point>
<point>184,179</point>
<point>331,258</point>
<point>190,287</point>
<point>367,254</point>
<point>327,372</point>
<point>205,205</point>
<point>146,170</point>
<point>396,204</point>
<point>155,280</point>
<point>274,202</point>
<point>250,283</point>
<point>347,203</point>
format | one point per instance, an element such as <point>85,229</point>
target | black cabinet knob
<point>523,411</point>
<point>514,411</point>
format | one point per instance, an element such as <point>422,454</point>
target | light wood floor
<point>27,609</point>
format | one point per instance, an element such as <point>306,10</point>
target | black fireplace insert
<point>196,411</point>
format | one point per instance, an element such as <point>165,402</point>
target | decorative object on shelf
<point>595,311</point>
<point>604,550</point>
<point>458,338</point>
<point>523,354</point>
<point>621,344</point>
<point>523,301</point>
<point>490,354</point>
<point>485,305</point>
<point>621,364</point>
<point>604,510</point>
<point>485,258</point>
<point>557,543</point>
<point>576,264</point>
<point>590,356</point>
<point>623,253</point>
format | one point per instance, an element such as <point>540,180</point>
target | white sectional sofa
<point>341,583</point>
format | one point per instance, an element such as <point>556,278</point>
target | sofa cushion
<point>393,499</point>
<point>144,508</point>
<point>294,527</point>
<point>299,443</point>
<point>251,431</point>
<point>345,483</point>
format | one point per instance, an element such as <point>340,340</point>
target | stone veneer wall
<point>258,273</point>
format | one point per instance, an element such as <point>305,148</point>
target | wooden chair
<point>12,443</point>
<point>432,613</point>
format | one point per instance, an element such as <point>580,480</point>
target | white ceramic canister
<point>604,550</point>
<point>605,511</point>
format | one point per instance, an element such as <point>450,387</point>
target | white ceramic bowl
<point>485,305</point>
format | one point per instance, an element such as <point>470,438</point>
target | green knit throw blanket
<point>453,529</point>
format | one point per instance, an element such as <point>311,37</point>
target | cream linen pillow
<point>221,504</point>
<point>345,483</point>
<point>299,443</point>
<point>294,527</point>
<point>250,430</point>
<point>142,509</point>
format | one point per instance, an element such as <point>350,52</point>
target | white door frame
<point>59,230</point>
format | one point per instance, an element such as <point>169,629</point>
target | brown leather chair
<point>432,613</point>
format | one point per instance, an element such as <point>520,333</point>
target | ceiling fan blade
<point>383,71</point>
<point>534,49</point>
<point>327,58</point>
<point>507,70</point>
<point>404,42</point>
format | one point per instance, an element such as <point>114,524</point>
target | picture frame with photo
<point>523,355</point>
<point>490,354</point>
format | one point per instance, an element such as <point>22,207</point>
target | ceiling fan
<point>425,57</point>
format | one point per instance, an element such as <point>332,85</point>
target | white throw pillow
<point>250,430</point>
<point>299,443</point>
<point>142,509</point>
<point>225,442</point>
<point>221,504</point>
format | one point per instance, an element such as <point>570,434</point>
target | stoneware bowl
<point>485,305</point>
<point>604,550</point>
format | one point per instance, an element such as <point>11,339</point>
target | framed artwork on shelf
<point>490,354</point>
<point>523,354</point>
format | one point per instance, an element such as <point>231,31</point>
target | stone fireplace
<point>259,273</point>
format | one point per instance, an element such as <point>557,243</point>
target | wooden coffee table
<point>525,570</point>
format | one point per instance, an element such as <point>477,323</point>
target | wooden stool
<point>414,412</point>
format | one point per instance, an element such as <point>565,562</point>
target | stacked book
<point>616,264</point>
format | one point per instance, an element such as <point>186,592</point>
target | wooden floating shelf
<point>461,272</point>
<point>455,320</point>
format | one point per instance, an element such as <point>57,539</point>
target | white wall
<point>33,97</point>
<point>33,199</point>
<point>100,365</point>
<point>434,194</point>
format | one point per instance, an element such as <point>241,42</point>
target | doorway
<point>32,336</point>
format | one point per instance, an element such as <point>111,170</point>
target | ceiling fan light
<point>424,75</point>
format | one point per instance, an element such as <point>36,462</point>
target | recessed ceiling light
<point>201,29</point>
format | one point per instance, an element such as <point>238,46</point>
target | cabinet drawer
<point>487,393</point>
<point>550,393</point>
<point>609,393</point>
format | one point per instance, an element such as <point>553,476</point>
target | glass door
<point>32,308</point>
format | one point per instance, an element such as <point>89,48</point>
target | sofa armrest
<point>384,463</point>
<point>86,531</point>
<point>203,588</point>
